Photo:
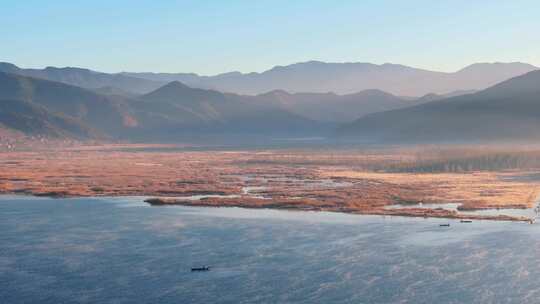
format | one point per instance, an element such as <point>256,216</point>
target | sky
<point>211,37</point>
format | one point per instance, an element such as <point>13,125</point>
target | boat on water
<point>204,268</point>
<point>444,225</point>
<point>465,221</point>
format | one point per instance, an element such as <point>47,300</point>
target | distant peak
<point>393,65</point>
<point>6,66</point>
<point>312,62</point>
<point>173,87</point>
<point>277,92</point>
<point>489,65</point>
<point>373,92</point>
<point>228,74</point>
<point>430,97</point>
<point>175,84</point>
<point>51,68</point>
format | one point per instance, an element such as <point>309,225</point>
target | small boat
<point>444,225</point>
<point>204,268</point>
<point>465,221</point>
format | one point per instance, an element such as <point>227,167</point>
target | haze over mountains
<point>178,110</point>
<point>85,78</point>
<point>80,103</point>
<point>508,110</point>
<point>46,108</point>
<point>312,77</point>
<point>348,78</point>
<point>330,107</point>
<point>102,114</point>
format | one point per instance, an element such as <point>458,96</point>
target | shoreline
<point>158,202</point>
<point>336,181</point>
<point>421,213</point>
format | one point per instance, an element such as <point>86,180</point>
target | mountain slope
<point>312,76</point>
<point>110,115</point>
<point>348,78</point>
<point>32,119</point>
<point>85,78</point>
<point>330,107</point>
<point>176,109</point>
<point>41,107</point>
<point>509,110</point>
<point>433,97</point>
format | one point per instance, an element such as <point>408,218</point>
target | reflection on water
<point>120,250</point>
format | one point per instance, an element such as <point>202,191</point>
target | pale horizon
<point>271,67</point>
<point>215,38</point>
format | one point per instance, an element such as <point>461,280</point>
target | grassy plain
<point>364,181</point>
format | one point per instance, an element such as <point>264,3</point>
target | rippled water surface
<point>118,250</point>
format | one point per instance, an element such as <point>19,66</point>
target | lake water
<point>119,250</point>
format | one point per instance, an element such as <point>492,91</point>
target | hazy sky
<point>210,37</point>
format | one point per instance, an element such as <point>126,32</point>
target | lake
<point>120,250</point>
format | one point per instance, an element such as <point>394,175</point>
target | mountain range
<point>86,78</point>
<point>311,76</point>
<point>106,106</point>
<point>508,110</point>
<point>349,78</point>
<point>178,110</point>
<point>334,108</point>
<point>91,111</point>
<point>41,107</point>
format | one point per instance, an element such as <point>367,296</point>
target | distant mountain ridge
<point>508,110</point>
<point>330,107</point>
<point>311,76</point>
<point>36,120</point>
<point>187,110</point>
<point>85,78</point>
<point>36,106</point>
<point>98,114</point>
<point>348,78</point>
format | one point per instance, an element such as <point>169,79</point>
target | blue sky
<point>210,37</point>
